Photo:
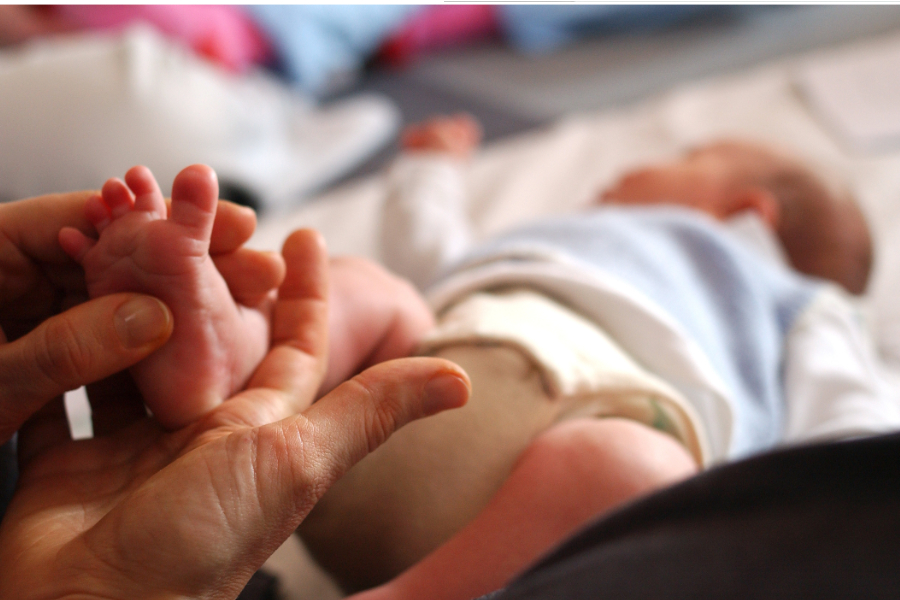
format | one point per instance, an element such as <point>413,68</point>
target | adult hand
<point>144,513</point>
<point>52,354</point>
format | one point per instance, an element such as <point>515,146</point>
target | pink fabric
<point>438,27</point>
<point>224,34</point>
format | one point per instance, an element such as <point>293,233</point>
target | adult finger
<point>82,345</point>
<point>233,226</point>
<point>293,462</point>
<point>32,226</point>
<point>250,274</point>
<point>295,364</point>
<point>362,413</point>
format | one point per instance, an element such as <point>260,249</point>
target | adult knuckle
<point>380,415</point>
<point>62,352</point>
<point>311,471</point>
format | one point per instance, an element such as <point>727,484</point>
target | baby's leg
<point>373,316</point>
<point>572,473</point>
<point>432,477</point>
<point>216,343</point>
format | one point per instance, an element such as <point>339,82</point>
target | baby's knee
<point>606,461</point>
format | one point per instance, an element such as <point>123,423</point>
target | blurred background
<point>543,62</point>
<point>338,82</point>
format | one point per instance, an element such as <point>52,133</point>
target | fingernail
<point>446,390</point>
<point>140,321</point>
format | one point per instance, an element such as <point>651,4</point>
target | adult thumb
<point>301,456</point>
<point>84,344</point>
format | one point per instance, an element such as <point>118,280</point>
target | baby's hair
<point>820,225</point>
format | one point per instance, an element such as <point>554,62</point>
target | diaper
<point>581,367</point>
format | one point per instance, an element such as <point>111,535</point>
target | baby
<point>610,353</point>
<point>823,232</point>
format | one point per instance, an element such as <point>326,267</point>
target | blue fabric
<point>320,46</point>
<point>736,305</point>
<point>534,28</point>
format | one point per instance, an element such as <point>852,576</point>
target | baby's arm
<point>424,224</point>
<point>373,316</point>
<point>456,135</point>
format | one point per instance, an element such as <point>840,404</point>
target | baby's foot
<point>457,135</point>
<point>216,343</point>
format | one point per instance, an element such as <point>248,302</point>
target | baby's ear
<point>759,200</point>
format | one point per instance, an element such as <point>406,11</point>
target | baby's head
<point>822,231</point>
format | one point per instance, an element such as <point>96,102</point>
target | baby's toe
<point>195,195</point>
<point>147,195</point>
<point>117,197</point>
<point>97,212</point>
<point>75,243</point>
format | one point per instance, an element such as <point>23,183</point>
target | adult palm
<point>138,512</point>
